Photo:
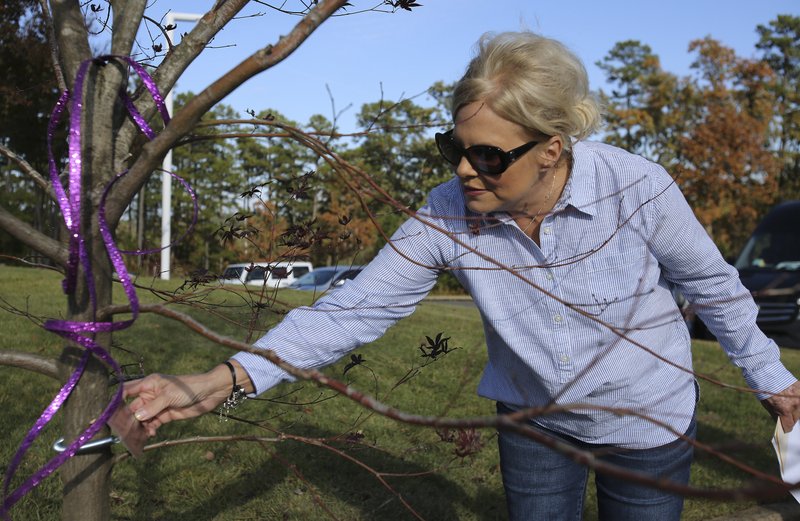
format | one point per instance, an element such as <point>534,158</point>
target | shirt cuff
<point>263,374</point>
<point>770,379</point>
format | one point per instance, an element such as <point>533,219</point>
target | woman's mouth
<point>473,192</point>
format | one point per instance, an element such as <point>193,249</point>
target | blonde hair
<point>533,81</point>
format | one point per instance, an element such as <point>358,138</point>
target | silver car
<point>326,277</point>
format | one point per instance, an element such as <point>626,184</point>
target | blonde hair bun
<point>533,81</point>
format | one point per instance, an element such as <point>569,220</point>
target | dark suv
<point>769,267</point>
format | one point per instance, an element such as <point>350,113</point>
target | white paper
<point>787,448</point>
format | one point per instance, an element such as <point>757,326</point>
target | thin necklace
<point>546,198</point>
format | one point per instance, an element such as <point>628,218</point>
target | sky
<point>365,57</point>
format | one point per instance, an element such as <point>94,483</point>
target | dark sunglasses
<point>485,159</point>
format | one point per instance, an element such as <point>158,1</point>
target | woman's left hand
<point>785,405</point>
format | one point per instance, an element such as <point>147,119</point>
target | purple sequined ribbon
<point>69,202</point>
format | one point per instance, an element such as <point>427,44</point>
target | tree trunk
<point>85,478</point>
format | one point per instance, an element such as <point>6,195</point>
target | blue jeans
<point>542,484</point>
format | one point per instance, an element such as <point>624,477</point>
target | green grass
<point>330,451</point>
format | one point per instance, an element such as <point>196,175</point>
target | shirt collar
<point>580,191</point>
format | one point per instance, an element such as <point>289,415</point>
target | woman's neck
<point>553,184</point>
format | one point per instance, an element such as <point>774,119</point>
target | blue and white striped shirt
<point>619,239</point>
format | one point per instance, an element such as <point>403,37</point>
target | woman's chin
<point>482,206</point>
<point>475,207</point>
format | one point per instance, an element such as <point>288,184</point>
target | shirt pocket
<point>615,283</point>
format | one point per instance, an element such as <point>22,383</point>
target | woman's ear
<point>553,148</point>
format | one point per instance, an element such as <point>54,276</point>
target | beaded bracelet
<point>235,399</point>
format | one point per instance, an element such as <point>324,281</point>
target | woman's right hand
<point>160,399</point>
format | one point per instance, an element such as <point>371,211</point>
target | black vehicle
<point>769,266</point>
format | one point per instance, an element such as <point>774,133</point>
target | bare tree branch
<point>202,439</point>
<point>51,36</point>
<point>127,16</point>
<point>28,170</point>
<point>33,238</point>
<point>71,35</point>
<point>188,117</point>
<point>175,63</point>
<point>194,42</point>
<point>37,363</point>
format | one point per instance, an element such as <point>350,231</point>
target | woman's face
<point>522,188</point>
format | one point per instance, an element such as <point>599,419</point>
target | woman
<point>570,251</point>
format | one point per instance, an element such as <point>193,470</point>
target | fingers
<point>145,409</point>
<point>151,426</point>
<point>131,388</point>
<point>787,422</point>
<point>142,391</point>
<point>149,384</point>
<point>785,406</point>
<point>159,399</point>
<point>149,396</point>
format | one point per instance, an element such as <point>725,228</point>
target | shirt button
<point>558,318</point>
<point>549,276</point>
<point>546,230</point>
<point>564,358</point>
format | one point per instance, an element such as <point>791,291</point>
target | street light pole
<point>166,178</point>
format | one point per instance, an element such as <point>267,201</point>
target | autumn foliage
<point>714,130</point>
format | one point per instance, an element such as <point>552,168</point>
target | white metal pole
<point>166,179</point>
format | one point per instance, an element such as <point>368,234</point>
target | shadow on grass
<point>222,504</point>
<point>758,455</point>
<point>271,488</point>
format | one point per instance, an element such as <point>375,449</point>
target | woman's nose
<point>464,169</point>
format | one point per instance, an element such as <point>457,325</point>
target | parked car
<point>271,274</point>
<point>769,266</point>
<point>324,278</point>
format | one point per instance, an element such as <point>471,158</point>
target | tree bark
<point>32,362</point>
<point>85,478</point>
<point>33,238</point>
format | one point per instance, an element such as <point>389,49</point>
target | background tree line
<point>729,132</point>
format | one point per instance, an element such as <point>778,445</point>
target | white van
<point>271,274</point>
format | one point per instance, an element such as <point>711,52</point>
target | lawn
<point>307,453</point>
